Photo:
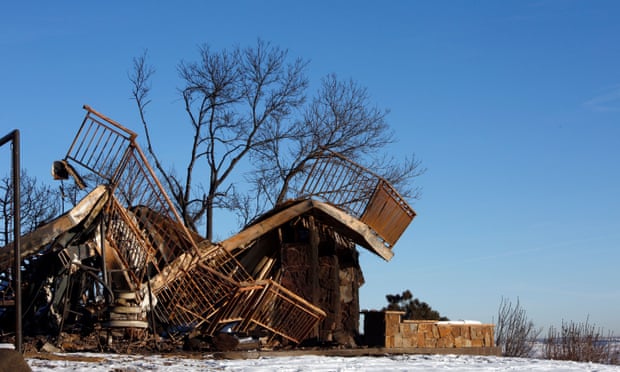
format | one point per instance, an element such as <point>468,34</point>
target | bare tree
<point>249,105</point>
<point>39,203</point>
<point>514,332</point>
<point>232,98</point>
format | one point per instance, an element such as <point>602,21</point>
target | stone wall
<point>386,329</point>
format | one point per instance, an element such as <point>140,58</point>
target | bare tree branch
<point>341,118</point>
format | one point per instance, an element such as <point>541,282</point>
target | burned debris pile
<point>121,268</point>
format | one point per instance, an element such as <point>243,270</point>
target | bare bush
<point>515,333</point>
<point>580,342</point>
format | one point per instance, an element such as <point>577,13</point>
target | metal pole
<point>14,137</point>
<point>17,242</point>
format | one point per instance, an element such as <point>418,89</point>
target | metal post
<point>14,137</point>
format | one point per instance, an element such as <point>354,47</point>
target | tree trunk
<point>209,213</point>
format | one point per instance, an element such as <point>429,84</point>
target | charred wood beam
<point>347,225</point>
<point>355,229</point>
<point>242,239</point>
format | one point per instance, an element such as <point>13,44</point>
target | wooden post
<point>314,265</point>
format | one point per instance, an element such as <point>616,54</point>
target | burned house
<point>122,263</point>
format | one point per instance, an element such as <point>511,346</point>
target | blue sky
<point>513,106</point>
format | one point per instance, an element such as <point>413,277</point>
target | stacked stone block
<point>424,333</point>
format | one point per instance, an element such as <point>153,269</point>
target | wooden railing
<point>268,305</point>
<point>141,223</point>
<point>361,193</point>
<point>110,151</point>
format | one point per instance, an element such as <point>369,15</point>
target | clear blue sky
<point>513,106</point>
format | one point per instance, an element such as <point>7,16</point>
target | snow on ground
<point>130,363</point>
